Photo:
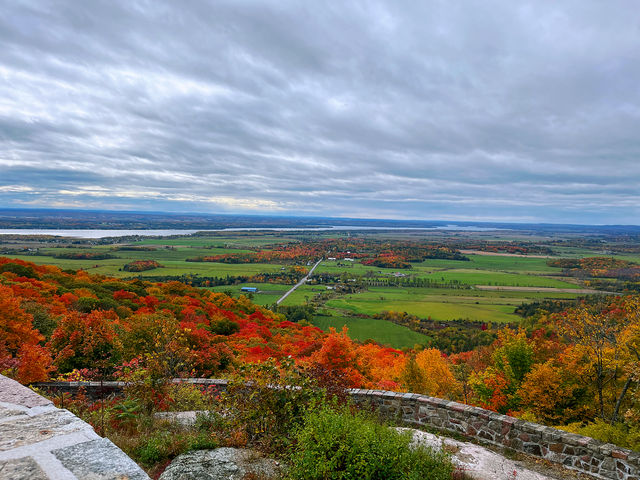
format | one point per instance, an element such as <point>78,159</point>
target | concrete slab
<point>41,442</point>
<point>22,469</point>
<point>99,460</point>
<point>30,430</point>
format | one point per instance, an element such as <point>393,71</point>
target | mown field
<point>494,263</point>
<point>113,267</point>
<point>381,331</point>
<point>426,303</point>
<point>487,277</point>
<point>232,240</point>
<point>481,270</point>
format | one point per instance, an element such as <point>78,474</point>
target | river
<point>92,233</point>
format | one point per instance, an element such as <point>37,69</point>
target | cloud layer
<point>494,110</point>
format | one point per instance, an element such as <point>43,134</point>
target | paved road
<point>302,281</point>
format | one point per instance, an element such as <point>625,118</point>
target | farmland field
<point>267,293</point>
<point>113,266</point>
<point>496,263</point>
<point>219,240</point>
<point>423,303</point>
<point>364,290</point>
<point>381,331</point>
<point>480,277</point>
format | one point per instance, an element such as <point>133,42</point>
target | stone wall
<point>98,390</point>
<point>584,454</point>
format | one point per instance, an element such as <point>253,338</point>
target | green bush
<point>157,447</point>
<point>44,322</point>
<point>335,443</point>
<point>186,396</point>
<point>20,270</point>
<point>225,327</point>
<point>267,402</point>
<point>618,434</point>
<point>89,304</point>
<point>164,441</point>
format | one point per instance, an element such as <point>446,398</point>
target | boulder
<point>221,464</point>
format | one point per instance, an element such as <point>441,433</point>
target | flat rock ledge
<point>221,464</point>
<point>477,462</point>
<point>41,442</point>
<point>186,419</point>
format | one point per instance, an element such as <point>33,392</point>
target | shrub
<point>85,256</point>
<point>89,304</point>
<point>20,270</point>
<point>338,444</point>
<point>186,396</point>
<point>44,322</point>
<point>225,327</point>
<point>267,403</point>
<point>141,265</point>
<point>166,442</point>
<point>618,434</point>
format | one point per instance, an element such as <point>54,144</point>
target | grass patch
<point>171,265</point>
<point>301,294</point>
<point>419,301</point>
<point>381,331</point>
<point>219,240</point>
<point>336,443</point>
<point>480,277</point>
<point>497,263</point>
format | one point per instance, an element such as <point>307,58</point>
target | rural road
<point>303,280</point>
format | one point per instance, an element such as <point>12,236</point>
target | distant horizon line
<point>312,217</point>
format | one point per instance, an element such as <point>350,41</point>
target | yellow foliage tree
<point>429,372</point>
<point>545,393</point>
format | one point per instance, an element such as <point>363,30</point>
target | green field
<point>487,262</point>
<point>481,270</point>
<point>350,268</point>
<point>173,263</point>
<point>440,304</point>
<point>483,277</point>
<point>301,294</point>
<point>220,240</point>
<point>381,331</point>
<point>495,262</point>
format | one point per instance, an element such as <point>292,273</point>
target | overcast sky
<point>463,110</point>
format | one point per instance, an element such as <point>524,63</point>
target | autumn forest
<point>568,362</point>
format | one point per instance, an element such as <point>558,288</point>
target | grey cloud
<point>492,110</point>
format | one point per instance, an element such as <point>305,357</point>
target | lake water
<point>166,233</point>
